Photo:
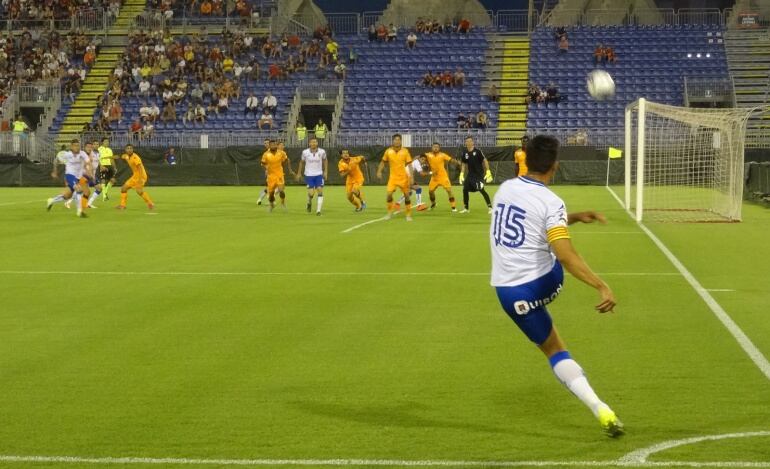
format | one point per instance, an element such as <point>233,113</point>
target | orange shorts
<point>135,183</point>
<point>436,183</point>
<point>402,184</point>
<point>352,186</point>
<point>273,182</point>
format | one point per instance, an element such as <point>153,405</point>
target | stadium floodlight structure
<point>683,164</point>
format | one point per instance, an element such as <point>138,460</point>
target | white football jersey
<point>95,161</point>
<point>75,163</point>
<point>415,167</point>
<point>314,165</point>
<point>524,212</point>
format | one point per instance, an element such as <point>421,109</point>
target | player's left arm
<point>586,217</point>
<point>326,167</point>
<point>298,174</point>
<point>487,172</point>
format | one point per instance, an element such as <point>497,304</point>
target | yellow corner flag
<point>615,153</point>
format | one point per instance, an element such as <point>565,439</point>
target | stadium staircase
<point>507,60</point>
<point>98,77</point>
<point>748,57</point>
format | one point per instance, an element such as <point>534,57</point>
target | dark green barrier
<point>757,185</point>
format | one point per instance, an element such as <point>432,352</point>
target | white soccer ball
<point>600,85</point>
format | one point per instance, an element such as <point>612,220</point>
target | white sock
<point>93,197</point>
<point>58,198</point>
<point>263,194</point>
<point>320,203</point>
<point>78,198</point>
<point>571,375</point>
<point>401,200</point>
<point>419,198</point>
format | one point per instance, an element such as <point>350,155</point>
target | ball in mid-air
<point>600,85</point>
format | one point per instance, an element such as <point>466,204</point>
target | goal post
<point>683,164</point>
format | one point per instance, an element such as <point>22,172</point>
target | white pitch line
<point>5,204</point>
<point>360,225</point>
<point>301,274</point>
<point>641,455</point>
<point>743,340</point>
<point>720,289</point>
<point>368,462</point>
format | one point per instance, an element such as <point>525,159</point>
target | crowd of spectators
<point>35,13</point>
<point>479,120</point>
<point>545,94</point>
<point>389,33</point>
<point>168,9</point>
<point>45,54</point>
<point>604,54</point>
<point>192,77</point>
<point>446,79</point>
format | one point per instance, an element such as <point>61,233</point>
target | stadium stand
<point>652,61</point>
<point>383,90</point>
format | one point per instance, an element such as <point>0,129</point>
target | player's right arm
<point>566,254</point>
<point>299,169</point>
<point>381,167</point>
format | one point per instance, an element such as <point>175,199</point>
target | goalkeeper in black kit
<point>474,173</point>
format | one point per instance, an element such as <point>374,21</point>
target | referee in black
<point>474,173</point>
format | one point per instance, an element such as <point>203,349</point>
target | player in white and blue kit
<point>316,170</point>
<point>76,165</point>
<point>530,243</point>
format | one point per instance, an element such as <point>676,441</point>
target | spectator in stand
<point>464,26</point>
<point>459,77</point>
<point>552,93</point>
<point>436,27</point>
<point>340,70</point>
<point>154,113</point>
<point>200,113</point>
<point>148,130</point>
<point>116,112</point>
<point>482,120</point>
<point>135,129</point>
<point>493,94</point>
<point>382,33</point>
<point>560,32</point>
<point>419,26</point>
<point>610,53</point>
<point>144,112</point>
<point>274,72</point>
<point>563,44</point>
<point>599,55</point>
<point>372,33</point>
<point>447,79</point>
<point>222,104</point>
<point>392,33</point>
<point>170,156</point>
<point>252,105</point>
<point>427,79</point>
<point>144,88</point>
<point>270,102</point>
<point>352,55</point>
<point>411,40</point>
<point>196,95</point>
<point>169,113</point>
<point>206,8</point>
<point>265,119</point>
<point>462,121</point>
<point>189,116</point>
<point>533,94</point>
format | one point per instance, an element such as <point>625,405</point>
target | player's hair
<point>395,135</point>
<point>272,141</point>
<point>63,147</point>
<point>468,138</point>
<point>105,139</point>
<point>312,138</point>
<point>435,143</point>
<point>129,145</point>
<point>74,140</point>
<point>343,150</point>
<point>542,153</point>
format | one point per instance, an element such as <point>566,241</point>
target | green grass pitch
<point>216,330</point>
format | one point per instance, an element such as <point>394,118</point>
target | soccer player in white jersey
<point>94,183</point>
<point>419,166</point>
<point>530,244</point>
<point>316,170</point>
<point>76,166</point>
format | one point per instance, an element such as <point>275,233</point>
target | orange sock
<point>123,198</point>
<point>83,202</point>
<point>390,207</point>
<point>409,208</point>
<point>147,198</point>
<point>452,203</point>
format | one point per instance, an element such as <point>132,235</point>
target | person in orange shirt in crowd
<point>206,8</point>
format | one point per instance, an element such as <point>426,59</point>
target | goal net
<point>683,164</point>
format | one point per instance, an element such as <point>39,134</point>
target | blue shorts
<point>92,182</point>
<point>526,303</point>
<point>314,182</point>
<point>71,181</point>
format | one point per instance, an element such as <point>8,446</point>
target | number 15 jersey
<point>527,218</point>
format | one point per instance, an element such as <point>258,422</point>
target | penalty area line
<point>743,340</point>
<point>302,274</point>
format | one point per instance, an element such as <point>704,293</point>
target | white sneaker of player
<point>68,203</point>
<point>92,206</point>
<point>489,211</point>
<point>465,210</point>
<point>408,218</point>
<point>389,216</point>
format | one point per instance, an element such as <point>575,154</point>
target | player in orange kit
<point>137,181</point>
<point>520,157</point>
<point>437,160</point>
<point>350,168</point>
<point>273,160</point>
<point>397,158</point>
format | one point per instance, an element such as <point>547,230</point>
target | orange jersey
<point>437,163</point>
<point>136,165</point>
<point>274,163</point>
<point>398,161</point>
<point>520,157</point>
<point>353,167</point>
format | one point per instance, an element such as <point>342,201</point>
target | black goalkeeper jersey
<point>475,161</point>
